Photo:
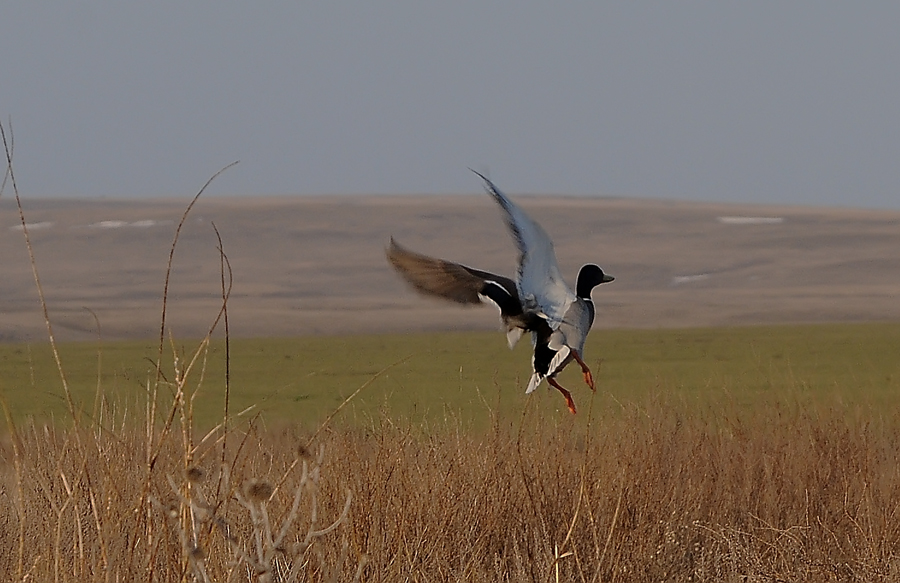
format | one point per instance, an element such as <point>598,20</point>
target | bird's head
<point>589,277</point>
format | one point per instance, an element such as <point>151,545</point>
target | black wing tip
<point>392,245</point>
<point>394,251</point>
<point>479,174</point>
<point>488,185</point>
<point>495,192</point>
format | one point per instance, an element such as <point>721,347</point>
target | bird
<point>538,301</point>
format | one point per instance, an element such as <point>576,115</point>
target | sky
<point>760,102</point>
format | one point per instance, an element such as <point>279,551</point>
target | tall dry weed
<point>100,498</point>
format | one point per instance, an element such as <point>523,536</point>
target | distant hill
<point>315,265</point>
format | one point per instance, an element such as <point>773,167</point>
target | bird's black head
<point>590,276</point>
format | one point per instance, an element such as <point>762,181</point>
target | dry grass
<point>83,506</point>
<point>651,492</point>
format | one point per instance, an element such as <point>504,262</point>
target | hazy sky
<point>795,102</point>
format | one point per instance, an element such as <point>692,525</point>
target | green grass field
<point>428,377</point>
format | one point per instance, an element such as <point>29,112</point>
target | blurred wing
<point>444,279</point>
<point>540,282</point>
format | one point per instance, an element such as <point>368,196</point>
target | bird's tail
<point>513,333</point>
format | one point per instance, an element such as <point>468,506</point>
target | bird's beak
<point>607,278</point>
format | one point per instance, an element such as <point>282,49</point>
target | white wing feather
<point>534,383</point>
<point>558,361</point>
<point>539,280</point>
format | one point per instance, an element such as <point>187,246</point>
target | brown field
<point>652,491</point>
<point>306,265</point>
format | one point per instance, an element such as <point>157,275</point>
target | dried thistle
<point>197,553</point>
<point>194,474</point>
<point>259,490</point>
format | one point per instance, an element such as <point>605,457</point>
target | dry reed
<point>650,493</point>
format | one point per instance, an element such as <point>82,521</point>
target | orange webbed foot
<point>588,377</point>
<point>589,380</point>
<point>570,403</point>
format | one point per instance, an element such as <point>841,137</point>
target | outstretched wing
<point>435,277</point>
<point>453,281</point>
<point>540,283</point>
<point>461,284</point>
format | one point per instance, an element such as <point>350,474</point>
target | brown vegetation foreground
<point>650,492</point>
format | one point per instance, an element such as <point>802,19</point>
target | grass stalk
<point>8,149</point>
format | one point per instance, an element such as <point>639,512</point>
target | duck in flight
<point>538,301</point>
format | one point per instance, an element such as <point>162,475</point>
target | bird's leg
<point>588,377</point>
<point>569,402</point>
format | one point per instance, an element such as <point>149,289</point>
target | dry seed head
<point>304,452</point>
<point>259,490</point>
<point>172,511</point>
<point>194,474</point>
